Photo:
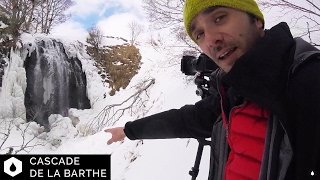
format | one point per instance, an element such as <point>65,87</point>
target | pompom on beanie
<point>193,7</point>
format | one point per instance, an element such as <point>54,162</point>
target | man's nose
<point>213,38</point>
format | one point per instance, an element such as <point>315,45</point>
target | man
<point>269,97</point>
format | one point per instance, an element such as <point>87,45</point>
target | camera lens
<point>199,92</point>
<point>188,64</point>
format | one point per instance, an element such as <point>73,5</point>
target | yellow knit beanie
<point>193,7</point>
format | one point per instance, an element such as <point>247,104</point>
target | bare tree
<point>95,37</point>
<point>164,13</point>
<point>51,13</point>
<point>304,16</point>
<point>95,43</point>
<point>30,15</point>
<point>135,30</point>
<point>169,14</point>
<point>19,13</point>
<point>34,15</point>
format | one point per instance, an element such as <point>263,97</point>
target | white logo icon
<point>12,166</point>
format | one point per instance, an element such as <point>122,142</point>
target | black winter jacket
<point>279,73</point>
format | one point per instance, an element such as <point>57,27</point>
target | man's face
<point>225,34</point>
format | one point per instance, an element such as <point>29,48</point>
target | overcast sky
<point>111,16</point>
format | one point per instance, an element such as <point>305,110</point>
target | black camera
<point>190,65</point>
<point>203,68</point>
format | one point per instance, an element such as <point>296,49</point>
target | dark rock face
<point>3,63</point>
<point>55,82</point>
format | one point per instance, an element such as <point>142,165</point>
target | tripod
<point>195,169</point>
<point>204,90</point>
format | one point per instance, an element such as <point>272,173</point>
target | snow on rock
<point>61,129</point>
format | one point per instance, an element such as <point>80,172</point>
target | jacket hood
<point>303,48</point>
<point>303,51</point>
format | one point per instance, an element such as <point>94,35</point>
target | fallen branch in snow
<point>112,113</point>
<point>5,135</point>
<point>26,145</point>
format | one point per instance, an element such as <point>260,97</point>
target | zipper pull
<point>227,131</point>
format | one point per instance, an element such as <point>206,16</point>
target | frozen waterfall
<point>55,82</point>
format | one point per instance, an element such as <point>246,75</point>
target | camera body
<point>190,65</point>
<point>202,68</point>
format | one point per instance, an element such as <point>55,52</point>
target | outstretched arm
<point>190,121</point>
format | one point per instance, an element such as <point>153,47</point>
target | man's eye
<point>219,19</point>
<point>199,35</point>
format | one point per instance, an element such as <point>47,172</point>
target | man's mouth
<point>227,53</point>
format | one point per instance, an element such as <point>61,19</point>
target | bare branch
<point>306,12</point>
<point>27,143</point>
<point>164,13</point>
<point>112,113</point>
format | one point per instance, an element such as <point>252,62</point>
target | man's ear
<point>260,26</point>
<point>259,23</point>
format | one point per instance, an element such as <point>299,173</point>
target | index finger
<point>107,130</point>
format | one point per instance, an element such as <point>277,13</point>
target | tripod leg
<point>195,169</point>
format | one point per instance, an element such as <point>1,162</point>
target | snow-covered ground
<point>130,160</point>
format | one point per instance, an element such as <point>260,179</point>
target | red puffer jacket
<point>246,132</point>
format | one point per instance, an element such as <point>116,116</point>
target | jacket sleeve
<point>304,96</point>
<point>190,121</point>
